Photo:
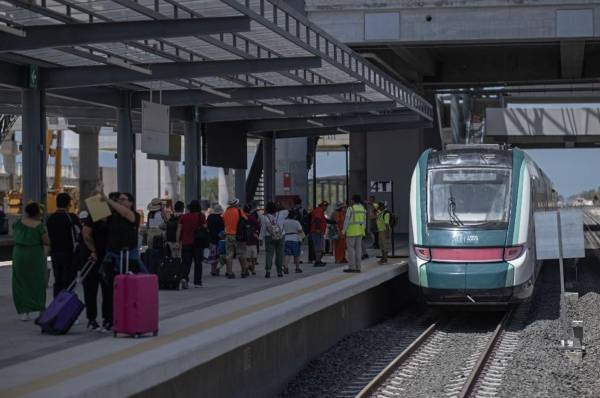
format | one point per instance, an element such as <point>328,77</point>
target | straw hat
<point>155,205</point>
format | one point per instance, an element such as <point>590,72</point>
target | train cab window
<point>469,196</point>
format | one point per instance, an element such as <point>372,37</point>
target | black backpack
<point>172,224</point>
<point>243,229</point>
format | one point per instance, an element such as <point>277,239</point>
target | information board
<point>571,234</point>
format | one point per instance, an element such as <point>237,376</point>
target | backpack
<point>243,228</point>
<point>274,229</point>
<point>75,232</point>
<point>172,224</point>
<point>393,220</point>
<point>201,236</point>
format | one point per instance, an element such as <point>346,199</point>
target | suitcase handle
<point>81,275</point>
<point>126,261</point>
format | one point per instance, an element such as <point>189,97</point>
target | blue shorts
<point>317,240</point>
<point>292,248</point>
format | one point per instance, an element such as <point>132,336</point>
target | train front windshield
<point>468,196</point>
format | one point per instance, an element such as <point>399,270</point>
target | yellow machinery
<point>57,186</point>
<point>15,197</point>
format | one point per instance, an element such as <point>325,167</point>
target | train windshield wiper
<point>452,211</point>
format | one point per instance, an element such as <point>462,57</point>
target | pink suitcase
<point>135,302</point>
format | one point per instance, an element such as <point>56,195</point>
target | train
<point>472,232</point>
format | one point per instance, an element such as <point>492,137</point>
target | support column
<point>88,162</point>
<point>192,163</point>
<point>125,151</point>
<point>269,168</point>
<point>240,184</point>
<point>358,165</point>
<point>34,146</point>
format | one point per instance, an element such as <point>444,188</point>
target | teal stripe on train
<point>518,172</point>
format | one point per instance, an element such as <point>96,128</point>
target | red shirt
<point>318,223</point>
<point>189,223</point>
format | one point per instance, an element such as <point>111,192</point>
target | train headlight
<point>513,252</point>
<point>423,253</point>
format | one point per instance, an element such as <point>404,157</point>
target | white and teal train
<point>472,235</point>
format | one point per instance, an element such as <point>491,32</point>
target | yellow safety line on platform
<point>159,341</point>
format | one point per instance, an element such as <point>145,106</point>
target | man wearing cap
<point>234,243</point>
<point>318,227</point>
<point>354,228</point>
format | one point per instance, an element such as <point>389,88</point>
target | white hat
<point>83,215</point>
<point>233,202</point>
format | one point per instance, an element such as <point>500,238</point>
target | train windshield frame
<point>469,197</point>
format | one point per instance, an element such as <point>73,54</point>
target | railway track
<point>477,373</point>
<point>591,223</point>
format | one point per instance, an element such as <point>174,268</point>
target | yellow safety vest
<point>357,223</point>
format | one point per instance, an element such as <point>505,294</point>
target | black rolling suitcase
<point>170,273</point>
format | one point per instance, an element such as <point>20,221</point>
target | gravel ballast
<point>538,368</point>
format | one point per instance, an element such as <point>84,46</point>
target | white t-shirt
<point>291,228</point>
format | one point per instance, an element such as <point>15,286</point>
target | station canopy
<point>257,61</point>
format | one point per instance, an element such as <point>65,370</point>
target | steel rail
<point>396,362</point>
<point>485,355</point>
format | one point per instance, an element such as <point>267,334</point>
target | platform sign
<point>379,186</point>
<point>155,129</point>
<point>571,235</point>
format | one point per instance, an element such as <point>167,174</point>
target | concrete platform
<point>199,327</point>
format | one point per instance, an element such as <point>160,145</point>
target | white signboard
<point>573,240</point>
<point>380,186</point>
<point>547,237</point>
<point>155,118</point>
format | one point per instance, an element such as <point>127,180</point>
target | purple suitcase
<point>64,310</point>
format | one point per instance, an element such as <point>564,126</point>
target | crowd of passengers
<point>216,237</point>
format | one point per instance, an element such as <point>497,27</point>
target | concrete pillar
<point>291,158</point>
<point>269,169</point>
<point>34,146</point>
<point>88,162</point>
<point>192,165</point>
<point>125,151</point>
<point>240,185</point>
<point>358,164</point>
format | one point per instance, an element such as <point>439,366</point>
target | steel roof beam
<point>362,128</point>
<point>232,113</point>
<point>81,76</point>
<point>44,36</point>
<point>196,97</point>
<point>349,120</point>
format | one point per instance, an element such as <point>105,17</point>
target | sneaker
<point>298,270</point>
<point>25,317</point>
<point>267,274</point>
<point>280,275</point>
<point>106,326</point>
<point>230,276</point>
<point>348,270</point>
<point>184,284</point>
<point>286,270</point>
<point>357,271</point>
<point>365,256</point>
<point>196,285</point>
<point>245,274</point>
<point>319,264</point>
<point>92,325</point>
